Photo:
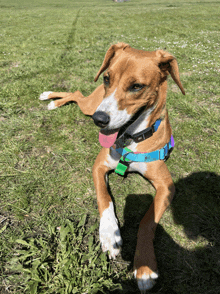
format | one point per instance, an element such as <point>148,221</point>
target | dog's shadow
<point>195,266</point>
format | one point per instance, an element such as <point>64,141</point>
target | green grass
<point>48,211</point>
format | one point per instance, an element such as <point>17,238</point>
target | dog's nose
<point>101,118</point>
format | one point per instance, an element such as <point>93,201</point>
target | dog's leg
<point>50,95</point>
<point>145,265</point>
<point>109,232</point>
<point>88,105</point>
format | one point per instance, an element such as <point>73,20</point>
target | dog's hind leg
<point>88,105</point>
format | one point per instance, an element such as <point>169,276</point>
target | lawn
<point>48,211</point>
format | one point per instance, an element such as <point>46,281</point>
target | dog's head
<point>133,80</point>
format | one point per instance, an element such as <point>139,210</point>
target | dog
<point>135,132</point>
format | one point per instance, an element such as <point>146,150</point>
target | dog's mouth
<point>108,137</point>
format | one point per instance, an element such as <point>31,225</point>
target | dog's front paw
<point>109,232</point>
<point>146,278</point>
<point>45,95</point>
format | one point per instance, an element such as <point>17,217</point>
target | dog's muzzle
<point>101,118</point>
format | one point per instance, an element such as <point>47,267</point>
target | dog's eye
<point>136,87</point>
<point>106,80</point>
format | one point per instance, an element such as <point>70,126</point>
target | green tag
<point>121,168</point>
<point>123,164</point>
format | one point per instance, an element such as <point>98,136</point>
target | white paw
<point>51,105</point>
<point>44,95</point>
<point>109,232</point>
<point>146,282</point>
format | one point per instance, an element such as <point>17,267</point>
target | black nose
<point>101,118</point>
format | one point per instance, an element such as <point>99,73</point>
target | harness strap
<point>129,156</point>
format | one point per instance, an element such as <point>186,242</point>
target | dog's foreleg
<point>109,232</point>
<point>145,265</point>
<point>88,105</point>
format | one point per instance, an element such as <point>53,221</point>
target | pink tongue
<point>107,141</point>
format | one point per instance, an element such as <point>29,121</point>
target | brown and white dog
<point>132,96</point>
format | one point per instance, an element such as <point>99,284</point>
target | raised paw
<point>45,95</point>
<point>109,232</point>
<point>146,279</point>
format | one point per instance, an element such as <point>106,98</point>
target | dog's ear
<point>108,56</point>
<point>167,62</point>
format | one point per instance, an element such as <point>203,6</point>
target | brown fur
<point>125,65</point>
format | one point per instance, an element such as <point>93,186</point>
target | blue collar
<point>160,154</point>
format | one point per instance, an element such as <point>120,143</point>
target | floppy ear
<point>167,62</point>
<point>108,56</point>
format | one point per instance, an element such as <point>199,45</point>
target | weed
<point>67,260</point>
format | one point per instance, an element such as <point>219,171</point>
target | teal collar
<point>160,154</point>
<point>129,156</point>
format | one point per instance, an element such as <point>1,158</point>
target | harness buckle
<point>123,164</point>
<point>168,153</point>
<point>122,167</point>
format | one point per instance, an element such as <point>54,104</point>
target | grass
<point>48,217</point>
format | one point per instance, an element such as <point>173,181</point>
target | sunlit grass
<point>46,157</point>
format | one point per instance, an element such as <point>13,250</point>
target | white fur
<point>140,167</point>
<point>51,105</point>
<point>112,159</point>
<point>117,117</point>
<point>109,232</point>
<point>45,95</point>
<point>146,282</point>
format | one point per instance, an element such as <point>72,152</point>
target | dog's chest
<point>114,157</point>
